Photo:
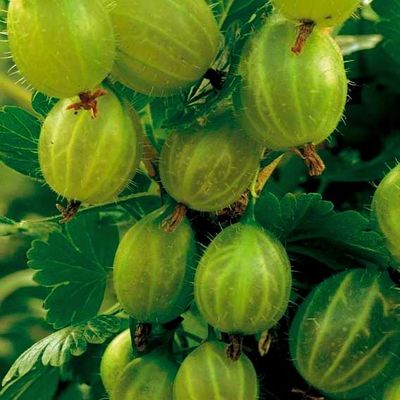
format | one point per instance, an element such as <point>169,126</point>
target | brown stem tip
<point>88,101</point>
<point>314,162</point>
<point>264,343</point>
<point>175,219</point>
<point>68,212</point>
<point>305,30</point>
<point>234,349</point>
<point>142,334</point>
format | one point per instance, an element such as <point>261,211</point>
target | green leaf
<point>19,135</point>
<point>38,384</point>
<point>152,117</point>
<point>347,166</point>
<point>85,368</point>
<point>43,104</point>
<point>75,263</point>
<point>389,25</point>
<point>289,176</point>
<point>310,227</point>
<point>57,349</point>
<point>142,206</point>
<point>194,326</point>
<point>227,11</point>
<point>137,100</point>
<point>6,221</point>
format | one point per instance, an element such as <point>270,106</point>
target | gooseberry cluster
<point>291,95</point>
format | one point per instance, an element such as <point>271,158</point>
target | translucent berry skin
<point>118,355</point>
<point>207,169</point>
<point>345,337</point>
<point>323,13</point>
<point>243,282</point>
<point>62,48</point>
<point>86,159</point>
<point>163,46</point>
<point>207,373</point>
<point>287,100</point>
<point>147,377</point>
<point>153,269</point>
<point>385,205</point>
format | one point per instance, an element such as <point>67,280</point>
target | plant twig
<point>264,175</point>
<point>121,200</point>
<point>175,219</point>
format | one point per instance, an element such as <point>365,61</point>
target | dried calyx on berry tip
<point>310,14</point>
<point>287,101</point>
<point>90,160</point>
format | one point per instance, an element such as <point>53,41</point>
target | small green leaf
<point>38,384</point>
<point>57,349</point>
<point>19,135</point>
<point>43,104</point>
<point>310,227</point>
<point>75,263</point>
